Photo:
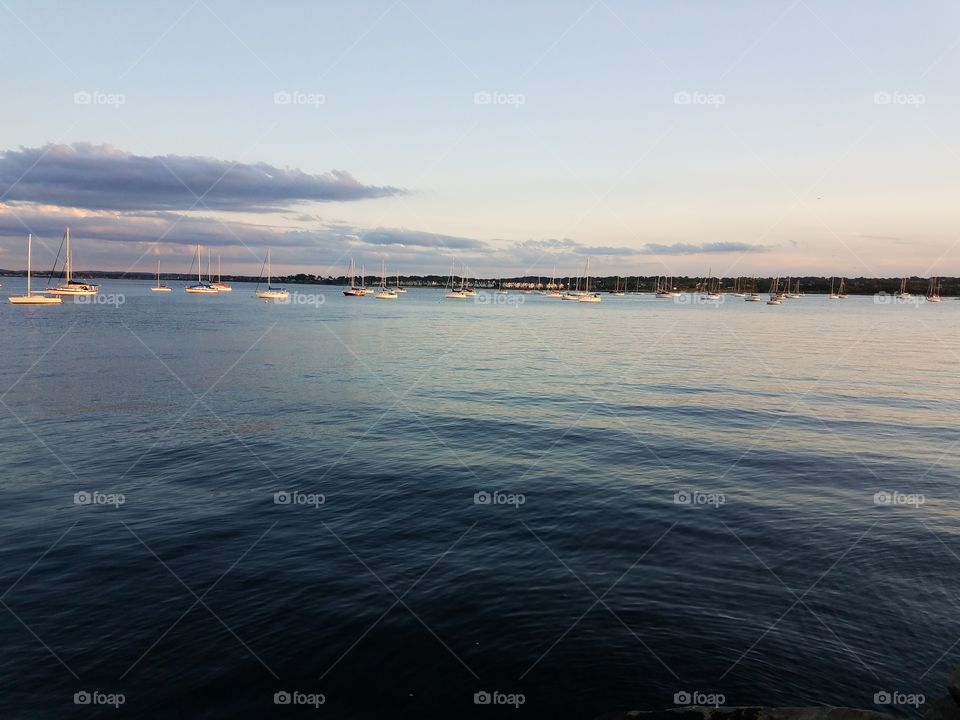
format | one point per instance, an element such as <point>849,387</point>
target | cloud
<point>101,177</point>
<point>703,248</point>
<point>419,238</point>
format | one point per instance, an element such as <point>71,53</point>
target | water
<point>200,597</point>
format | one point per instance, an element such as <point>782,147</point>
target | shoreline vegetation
<point>949,286</point>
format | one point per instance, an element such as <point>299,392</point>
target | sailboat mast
<point>69,268</point>
<point>199,260</point>
<point>29,259</point>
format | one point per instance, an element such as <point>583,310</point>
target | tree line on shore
<point>630,284</point>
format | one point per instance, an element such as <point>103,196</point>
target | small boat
<point>220,285</point>
<point>158,287</point>
<point>933,292</point>
<point>271,293</point>
<point>617,292</point>
<point>397,288</point>
<point>385,293</point>
<point>454,293</point>
<point>30,298</point>
<point>842,290</point>
<point>776,297</point>
<point>354,290</point>
<point>834,295</point>
<point>664,288</point>
<point>587,296</point>
<point>904,293</point>
<point>70,287</point>
<point>202,287</point>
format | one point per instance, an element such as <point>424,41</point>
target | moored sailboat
<point>30,298</point>
<point>271,293</point>
<point>71,287</point>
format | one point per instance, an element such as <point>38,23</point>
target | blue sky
<point>748,137</point>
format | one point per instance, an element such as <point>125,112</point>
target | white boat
<point>454,293</point>
<point>271,293</point>
<point>385,293</point>
<point>776,297</point>
<point>587,296</point>
<point>30,298</point>
<point>220,285</point>
<point>933,292</point>
<point>904,293</point>
<point>202,287</point>
<point>842,290</point>
<point>354,290</point>
<point>396,288</point>
<point>617,292</point>
<point>833,295</point>
<point>158,287</point>
<point>70,287</point>
<point>665,288</point>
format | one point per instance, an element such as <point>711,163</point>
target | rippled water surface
<point>783,583</point>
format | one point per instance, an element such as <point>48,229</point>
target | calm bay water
<point>201,597</point>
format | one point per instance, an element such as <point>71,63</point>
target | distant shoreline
<point>949,286</point>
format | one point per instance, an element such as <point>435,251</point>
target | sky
<point>792,137</point>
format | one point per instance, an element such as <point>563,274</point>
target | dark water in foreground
<point>200,597</point>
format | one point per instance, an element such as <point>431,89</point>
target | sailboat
<point>552,290</point>
<point>776,297</point>
<point>30,298</point>
<point>465,287</point>
<point>833,295</point>
<point>842,290</point>
<point>501,290</point>
<point>664,288</point>
<point>588,296</point>
<point>202,287</point>
<point>616,289</point>
<point>220,285</point>
<point>738,288</point>
<point>271,293</point>
<point>397,287</point>
<point>933,292</point>
<point>354,290</point>
<point>710,292</point>
<point>158,287</point>
<point>385,293</point>
<point>70,287</point>
<point>454,293</point>
<point>904,293</point>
